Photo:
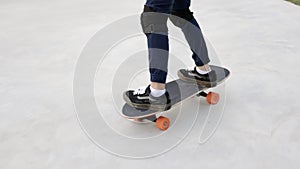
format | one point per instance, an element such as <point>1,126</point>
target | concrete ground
<point>41,41</point>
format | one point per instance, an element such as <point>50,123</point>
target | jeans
<point>158,43</point>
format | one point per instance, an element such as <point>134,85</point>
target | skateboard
<point>179,91</point>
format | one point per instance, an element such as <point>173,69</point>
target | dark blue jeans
<point>158,43</point>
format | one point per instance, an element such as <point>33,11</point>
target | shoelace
<point>140,90</point>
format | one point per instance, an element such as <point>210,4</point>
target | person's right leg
<point>154,23</point>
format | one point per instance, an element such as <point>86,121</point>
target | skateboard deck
<point>179,90</point>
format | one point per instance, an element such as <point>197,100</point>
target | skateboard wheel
<point>212,98</point>
<point>162,123</point>
<point>138,120</point>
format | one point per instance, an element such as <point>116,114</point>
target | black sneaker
<point>142,99</point>
<point>207,80</point>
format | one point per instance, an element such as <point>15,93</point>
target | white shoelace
<point>140,90</point>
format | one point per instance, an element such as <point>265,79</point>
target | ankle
<point>205,68</point>
<point>203,72</point>
<point>156,92</point>
<point>157,86</point>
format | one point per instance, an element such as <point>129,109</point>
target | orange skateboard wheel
<point>212,98</point>
<point>138,120</point>
<point>162,123</point>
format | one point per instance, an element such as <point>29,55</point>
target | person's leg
<point>154,24</point>
<point>155,28</point>
<point>197,44</point>
<point>163,6</point>
<point>185,20</point>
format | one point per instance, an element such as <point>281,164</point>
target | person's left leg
<point>183,18</point>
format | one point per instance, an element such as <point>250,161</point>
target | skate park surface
<point>256,126</point>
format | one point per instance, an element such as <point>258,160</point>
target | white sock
<point>157,93</point>
<point>203,72</point>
